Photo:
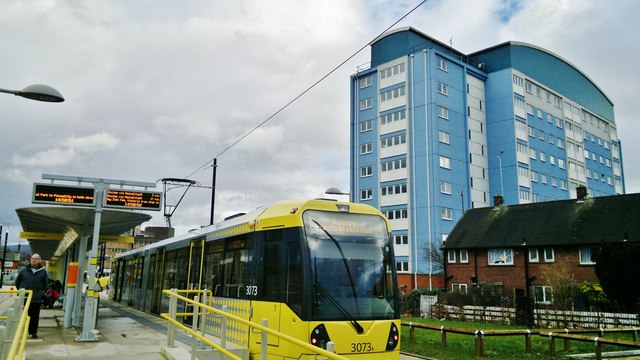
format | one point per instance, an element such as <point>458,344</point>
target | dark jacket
<point>35,279</point>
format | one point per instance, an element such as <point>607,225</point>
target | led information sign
<point>143,200</point>
<point>63,195</point>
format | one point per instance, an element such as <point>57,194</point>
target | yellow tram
<point>318,270</point>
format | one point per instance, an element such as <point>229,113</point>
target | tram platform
<point>123,333</point>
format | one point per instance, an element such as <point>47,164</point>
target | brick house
<point>508,250</point>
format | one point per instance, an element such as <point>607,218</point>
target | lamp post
<point>37,92</point>
<point>501,181</point>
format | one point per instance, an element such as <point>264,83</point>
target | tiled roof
<point>566,222</point>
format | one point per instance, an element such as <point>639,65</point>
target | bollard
<point>552,345</point>
<point>171,330</point>
<point>264,339</point>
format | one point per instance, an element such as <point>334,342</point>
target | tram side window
<point>235,261</point>
<point>214,267</point>
<point>294,278</point>
<point>271,271</point>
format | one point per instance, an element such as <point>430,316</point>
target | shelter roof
<point>73,222</point>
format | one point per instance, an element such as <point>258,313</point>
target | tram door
<point>194,279</point>
<point>157,263</point>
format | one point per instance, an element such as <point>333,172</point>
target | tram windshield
<point>351,265</point>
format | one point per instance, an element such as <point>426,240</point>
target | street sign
<point>63,195</point>
<point>142,200</point>
<point>31,235</point>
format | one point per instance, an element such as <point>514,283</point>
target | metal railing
<point>200,313</point>
<point>13,334</point>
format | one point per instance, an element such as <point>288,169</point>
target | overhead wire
<point>305,91</point>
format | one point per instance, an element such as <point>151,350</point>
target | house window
<point>446,214</point>
<point>500,257</point>
<point>442,64</point>
<point>533,255</point>
<point>451,256</point>
<point>365,82</point>
<point>464,256</point>
<point>445,162</point>
<point>366,194</point>
<point>548,254</point>
<point>365,126</point>
<point>587,256</point>
<point>366,171</point>
<point>543,294</point>
<point>459,288</point>
<point>366,104</point>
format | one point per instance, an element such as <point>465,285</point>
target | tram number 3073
<point>251,290</point>
<point>361,347</point>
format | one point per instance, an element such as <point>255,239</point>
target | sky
<point>156,89</point>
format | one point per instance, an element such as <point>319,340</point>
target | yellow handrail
<point>282,336</point>
<point>19,340</point>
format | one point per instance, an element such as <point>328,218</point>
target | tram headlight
<point>319,337</point>
<point>394,337</point>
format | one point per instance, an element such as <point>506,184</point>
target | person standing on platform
<point>35,278</point>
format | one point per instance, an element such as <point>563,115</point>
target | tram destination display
<point>63,195</point>
<point>143,200</point>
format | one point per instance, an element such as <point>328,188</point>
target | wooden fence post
<point>527,342</point>
<point>479,343</point>
<point>567,342</point>
<point>598,348</point>
<point>443,337</point>
<point>412,332</point>
<point>552,345</point>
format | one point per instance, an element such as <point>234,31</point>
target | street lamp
<point>335,191</point>
<point>37,92</point>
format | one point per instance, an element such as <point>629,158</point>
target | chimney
<point>581,192</point>
<point>498,200</point>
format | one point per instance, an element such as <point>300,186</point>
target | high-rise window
<point>366,81</point>
<point>446,213</point>
<point>366,194</point>
<point>366,126</point>
<point>366,171</point>
<point>445,187</point>
<point>443,88</point>
<point>443,137</point>
<point>445,162</point>
<point>442,64</point>
<point>443,112</point>
<point>366,104</point>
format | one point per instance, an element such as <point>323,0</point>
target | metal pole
<point>90,304</point>
<point>213,189</point>
<point>501,181</point>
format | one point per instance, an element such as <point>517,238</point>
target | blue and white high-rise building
<point>435,132</point>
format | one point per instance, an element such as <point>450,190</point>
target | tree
<point>618,269</point>
<point>433,254</point>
